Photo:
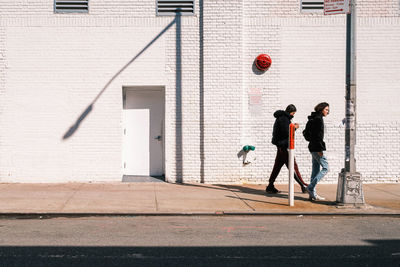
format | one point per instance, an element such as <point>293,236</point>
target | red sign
<point>332,7</point>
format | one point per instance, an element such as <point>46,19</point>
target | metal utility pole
<point>349,190</point>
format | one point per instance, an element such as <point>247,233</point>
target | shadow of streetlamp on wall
<point>178,97</point>
<point>178,94</point>
<point>201,93</point>
<point>74,127</point>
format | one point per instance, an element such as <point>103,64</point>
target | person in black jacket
<point>317,148</point>
<point>280,138</point>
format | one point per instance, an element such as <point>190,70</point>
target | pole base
<point>349,188</point>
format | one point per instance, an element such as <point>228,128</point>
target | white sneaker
<point>311,194</point>
<point>317,197</point>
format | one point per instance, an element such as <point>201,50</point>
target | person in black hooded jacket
<point>280,138</point>
<point>317,148</point>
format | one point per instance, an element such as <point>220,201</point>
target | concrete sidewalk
<point>82,199</point>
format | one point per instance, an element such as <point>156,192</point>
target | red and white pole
<point>291,164</point>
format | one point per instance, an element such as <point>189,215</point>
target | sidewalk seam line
<point>248,205</point>
<point>155,196</point>
<point>72,195</point>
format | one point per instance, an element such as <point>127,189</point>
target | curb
<point>175,214</point>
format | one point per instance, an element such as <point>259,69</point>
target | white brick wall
<point>384,8</point>
<point>52,81</point>
<point>223,87</point>
<point>182,125</point>
<point>2,81</point>
<point>52,66</point>
<point>378,99</point>
<point>291,8</point>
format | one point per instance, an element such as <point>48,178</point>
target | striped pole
<point>291,164</point>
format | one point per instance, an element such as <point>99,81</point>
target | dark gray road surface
<point>201,241</point>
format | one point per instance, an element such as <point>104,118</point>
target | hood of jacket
<point>280,113</point>
<point>314,115</point>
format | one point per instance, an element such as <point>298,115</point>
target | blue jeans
<point>317,174</point>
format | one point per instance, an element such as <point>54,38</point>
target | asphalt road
<point>201,241</point>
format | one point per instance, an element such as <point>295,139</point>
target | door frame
<point>143,88</point>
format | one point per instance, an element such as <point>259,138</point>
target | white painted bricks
<point>53,66</point>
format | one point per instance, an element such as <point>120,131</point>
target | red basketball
<point>263,62</point>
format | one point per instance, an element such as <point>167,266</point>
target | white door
<point>143,132</point>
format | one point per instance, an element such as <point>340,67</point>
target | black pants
<point>282,157</point>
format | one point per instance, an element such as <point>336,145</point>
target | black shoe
<point>303,189</point>
<point>272,190</point>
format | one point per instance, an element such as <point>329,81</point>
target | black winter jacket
<point>317,143</point>
<point>280,134</point>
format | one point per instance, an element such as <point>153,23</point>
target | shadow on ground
<point>261,192</point>
<point>378,253</point>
